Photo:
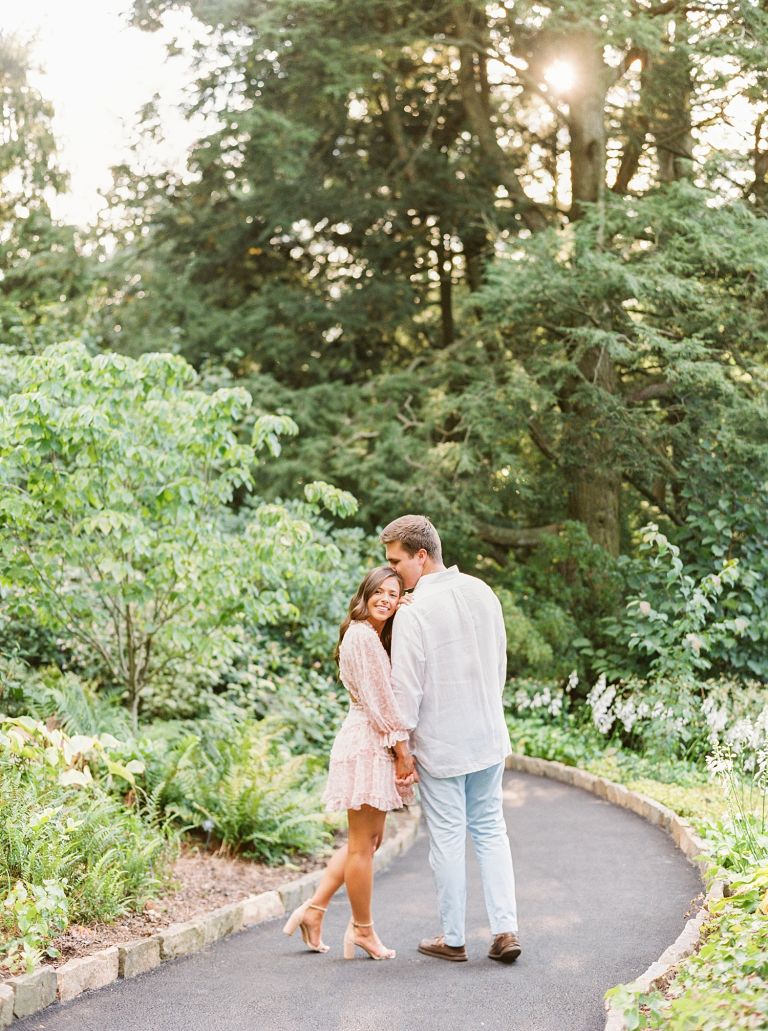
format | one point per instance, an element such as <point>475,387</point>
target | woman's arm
<point>366,668</point>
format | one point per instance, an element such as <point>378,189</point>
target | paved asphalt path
<point>601,893</point>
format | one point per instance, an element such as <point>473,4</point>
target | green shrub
<point>235,779</point>
<point>65,821</point>
<point>735,527</point>
<point>116,527</point>
<point>555,599</point>
<point>32,915</point>
<point>675,620</point>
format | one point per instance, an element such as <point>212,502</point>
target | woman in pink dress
<point>369,750</point>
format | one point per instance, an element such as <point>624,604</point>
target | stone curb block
<point>33,992</point>
<point>6,1005</point>
<point>258,908</point>
<point>88,972</point>
<point>181,939</point>
<point>139,956</point>
<point>661,816</point>
<point>221,922</point>
<point>294,893</point>
<point>28,993</point>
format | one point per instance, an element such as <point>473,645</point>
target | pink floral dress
<point>362,769</point>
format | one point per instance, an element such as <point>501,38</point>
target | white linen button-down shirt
<point>449,664</point>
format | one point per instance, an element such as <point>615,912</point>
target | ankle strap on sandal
<point>322,909</point>
<point>356,924</point>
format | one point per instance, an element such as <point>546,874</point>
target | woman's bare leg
<point>366,831</point>
<point>331,881</point>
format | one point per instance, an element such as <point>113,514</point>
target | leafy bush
<point>75,705</point>
<point>65,821</point>
<point>672,620</point>
<point>33,915</point>
<point>234,778</point>
<point>554,600</point>
<point>736,527</point>
<point>303,697</point>
<point>115,527</point>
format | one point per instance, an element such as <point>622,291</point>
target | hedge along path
<point>601,894</point>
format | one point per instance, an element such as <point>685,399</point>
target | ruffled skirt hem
<point>340,805</point>
<point>366,779</point>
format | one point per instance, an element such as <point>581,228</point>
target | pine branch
<point>654,500</point>
<point>538,438</point>
<point>649,392</point>
<point>517,537</point>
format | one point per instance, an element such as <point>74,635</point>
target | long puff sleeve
<point>365,672</point>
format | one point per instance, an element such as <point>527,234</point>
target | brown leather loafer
<point>437,947</point>
<point>505,948</point>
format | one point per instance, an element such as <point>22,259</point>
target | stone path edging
<point>28,993</point>
<point>692,847</point>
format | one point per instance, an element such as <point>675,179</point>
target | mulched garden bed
<point>204,882</point>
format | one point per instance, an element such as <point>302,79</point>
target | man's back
<point>448,670</point>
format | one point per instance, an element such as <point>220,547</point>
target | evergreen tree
<point>335,240</point>
<point>43,273</point>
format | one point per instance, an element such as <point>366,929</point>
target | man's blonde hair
<point>414,532</point>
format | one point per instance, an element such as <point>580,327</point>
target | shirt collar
<point>430,579</point>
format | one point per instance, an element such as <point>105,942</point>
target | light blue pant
<point>453,805</point>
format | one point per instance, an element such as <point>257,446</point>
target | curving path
<point>601,894</point>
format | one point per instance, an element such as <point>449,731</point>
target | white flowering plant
<point>546,719</point>
<point>676,717</point>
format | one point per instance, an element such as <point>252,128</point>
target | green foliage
<point>235,779</point>
<point>303,696</point>
<point>65,821</point>
<point>114,521</point>
<point>365,244</point>
<point>555,600</point>
<point>45,277</point>
<point>34,914</point>
<point>76,705</point>
<point>673,623</point>
<point>734,528</point>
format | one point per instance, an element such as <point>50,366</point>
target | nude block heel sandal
<point>296,920</point>
<point>350,942</point>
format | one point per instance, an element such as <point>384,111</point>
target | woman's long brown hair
<point>358,607</point>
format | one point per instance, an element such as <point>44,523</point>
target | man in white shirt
<point>448,672</point>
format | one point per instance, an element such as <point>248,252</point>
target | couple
<point>432,676</point>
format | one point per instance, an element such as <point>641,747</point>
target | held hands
<point>405,769</point>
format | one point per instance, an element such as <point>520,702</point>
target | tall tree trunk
<point>594,474</point>
<point>594,477</point>
<point>672,128</point>
<point>760,166</point>
<point>445,270</point>
<point>587,123</point>
<point>479,117</point>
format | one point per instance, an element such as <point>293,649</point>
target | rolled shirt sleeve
<point>408,665</point>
